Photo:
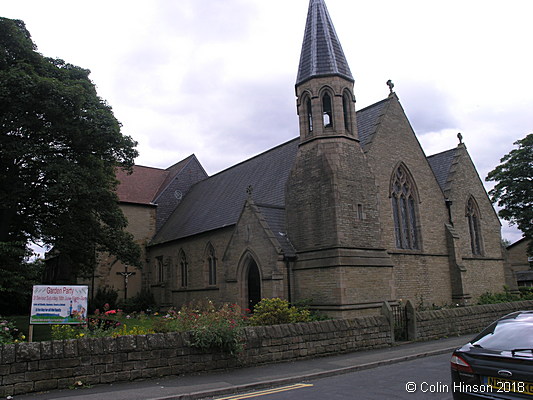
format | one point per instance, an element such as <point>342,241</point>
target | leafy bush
<point>105,297</point>
<point>506,296</point>
<point>314,315</point>
<point>277,311</point>
<point>143,301</point>
<point>9,333</point>
<point>526,291</point>
<point>210,327</point>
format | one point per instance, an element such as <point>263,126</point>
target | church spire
<point>322,53</point>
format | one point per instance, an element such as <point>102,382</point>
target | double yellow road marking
<point>266,392</point>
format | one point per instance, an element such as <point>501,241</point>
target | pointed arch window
<point>472,215</point>
<point>211,266</point>
<point>309,114</point>
<point>327,111</point>
<point>404,210</point>
<point>346,110</point>
<point>184,270</point>
<point>159,269</point>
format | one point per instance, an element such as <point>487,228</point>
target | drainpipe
<point>289,286</point>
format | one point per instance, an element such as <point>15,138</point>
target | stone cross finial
<point>390,85</point>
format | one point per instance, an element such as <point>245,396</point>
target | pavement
<point>213,384</point>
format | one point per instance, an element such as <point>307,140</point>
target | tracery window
<point>472,215</point>
<point>404,210</point>
<point>212,266</point>
<point>184,269</point>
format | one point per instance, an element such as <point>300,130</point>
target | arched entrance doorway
<point>253,280</point>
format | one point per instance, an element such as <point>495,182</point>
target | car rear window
<point>506,335</point>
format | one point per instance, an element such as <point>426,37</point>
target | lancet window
<point>327,110</point>
<point>184,270</point>
<point>346,101</point>
<point>472,215</point>
<point>211,266</point>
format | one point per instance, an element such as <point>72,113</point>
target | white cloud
<point>216,78</point>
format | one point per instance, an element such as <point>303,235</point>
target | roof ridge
<point>374,104</point>
<point>442,152</point>
<point>145,166</point>
<point>176,163</point>
<point>253,157</point>
<point>172,172</point>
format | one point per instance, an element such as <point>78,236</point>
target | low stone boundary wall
<point>463,320</point>
<point>58,364</point>
<point>30,367</point>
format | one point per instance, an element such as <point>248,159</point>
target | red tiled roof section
<point>141,186</point>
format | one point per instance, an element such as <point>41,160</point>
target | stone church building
<point>346,215</point>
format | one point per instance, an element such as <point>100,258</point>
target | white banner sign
<point>58,304</point>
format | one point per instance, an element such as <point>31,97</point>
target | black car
<point>498,363</point>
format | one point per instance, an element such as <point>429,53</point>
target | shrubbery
<point>211,327</point>
<point>525,293</point>
<point>104,295</point>
<point>142,301</point>
<point>9,332</point>
<point>278,311</point>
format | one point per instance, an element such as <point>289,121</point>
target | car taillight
<point>459,364</point>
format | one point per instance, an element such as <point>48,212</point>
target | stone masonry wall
<point>463,320</point>
<point>38,366</point>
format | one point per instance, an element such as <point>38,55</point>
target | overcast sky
<point>216,77</point>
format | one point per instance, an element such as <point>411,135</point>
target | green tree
<point>60,146</point>
<point>513,191</point>
<point>15,299</point>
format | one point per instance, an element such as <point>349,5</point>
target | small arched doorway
<point>253,280</point>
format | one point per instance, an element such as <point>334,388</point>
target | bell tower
<point>324,86</point>
<point>331,197</point>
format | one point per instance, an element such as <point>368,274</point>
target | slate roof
<point>217,201</point>
<point>275,218</point>
<point>145,184</point>
<point>441,164</point>
<point>141,186</point>
<point>172,171</point>
<point>321,53</point>
<point>368,119</point>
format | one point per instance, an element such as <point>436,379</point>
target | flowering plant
<point>210,327</point>
<point>9,333</point>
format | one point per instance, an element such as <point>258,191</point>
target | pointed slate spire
<point>322,53</point>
